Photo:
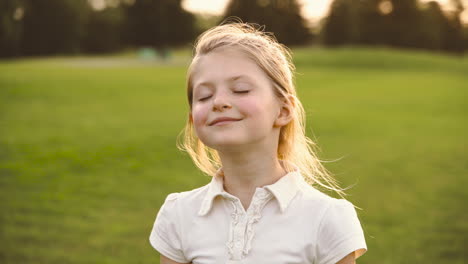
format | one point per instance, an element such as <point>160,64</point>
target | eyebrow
<point>230,79</point>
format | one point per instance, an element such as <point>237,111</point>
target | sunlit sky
<point>312,9</point>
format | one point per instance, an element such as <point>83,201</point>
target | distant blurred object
<point>151,54</point>
<point>147,54</point>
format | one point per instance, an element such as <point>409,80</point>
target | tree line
<point>398,23</point>
<point>48,27</point>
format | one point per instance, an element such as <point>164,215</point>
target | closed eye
<point>241,92</point>
<point>204,98</point>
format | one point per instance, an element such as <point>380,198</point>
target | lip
<point>223,120</point>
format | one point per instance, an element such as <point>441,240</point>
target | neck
<point>247,170</point>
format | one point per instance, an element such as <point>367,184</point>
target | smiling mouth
<point>225,122</point>
<point>220,121</point>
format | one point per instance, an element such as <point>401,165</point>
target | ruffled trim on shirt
<point>253,215</point>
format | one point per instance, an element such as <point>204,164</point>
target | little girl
<point>246,128</point>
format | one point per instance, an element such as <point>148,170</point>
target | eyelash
<point>237,92</point>
<point>204,98</point>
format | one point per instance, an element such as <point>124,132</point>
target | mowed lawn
<point>88,152</point>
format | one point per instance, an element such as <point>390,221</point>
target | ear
<point>286,111</point>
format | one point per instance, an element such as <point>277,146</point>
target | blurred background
<point>49,27</point>
<point>92,99</point>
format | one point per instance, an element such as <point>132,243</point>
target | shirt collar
<point>215,188</point>
<point>283,190</point>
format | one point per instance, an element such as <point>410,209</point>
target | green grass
<point>87,151</point>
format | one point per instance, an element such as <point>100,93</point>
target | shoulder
<point>340,233</point>
<point>340,213</point>
<point>327,209</point>
<point>339,230</point>
<point>312,197</point>
<point>185,200</point>
<point>179,208</point>
<point>167,235</point>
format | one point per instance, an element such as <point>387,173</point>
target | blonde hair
<point>276,61</point>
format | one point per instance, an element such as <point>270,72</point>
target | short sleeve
<point>340,233</point>
<point>165,236</point>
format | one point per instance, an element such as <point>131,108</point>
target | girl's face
<point>233,101</point>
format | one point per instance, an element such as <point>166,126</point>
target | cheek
<point>199,115</point>
<point>249,106</point>
<point>257,108</point>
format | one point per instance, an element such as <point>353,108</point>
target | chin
<point>221,140</point>
<point>225,145</point>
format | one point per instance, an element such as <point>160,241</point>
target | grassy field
<point>87,152</point>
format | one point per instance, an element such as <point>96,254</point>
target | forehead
<point>226,64</point>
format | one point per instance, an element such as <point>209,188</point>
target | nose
<point>221,102</point>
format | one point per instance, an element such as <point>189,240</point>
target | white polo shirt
<point>286,222</point>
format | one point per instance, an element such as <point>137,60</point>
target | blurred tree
<point>436,25</point>
<point>399,23</point>
<point>11,26</point>
<point>351,22</point>
<point>374,21</point>
<point>454,39</point>
<point>342,25</point>
<point>282,17</point>
<point>405,27</point>
<point>464,38</point>
<point>335,30</point>
<point>158,23</point>
<point>104,30</point>
<point>53,26</point>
